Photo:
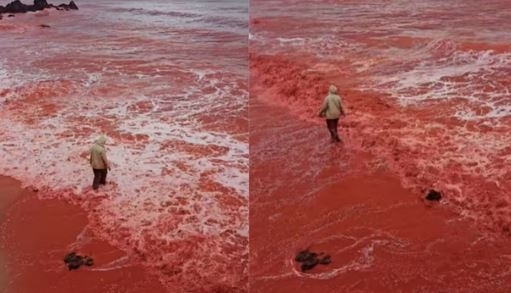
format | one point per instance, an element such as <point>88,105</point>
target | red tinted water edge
<point>36,235</point>
<point>382,237</point>
<point>368,207</point>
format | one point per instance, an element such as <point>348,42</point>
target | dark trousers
<point>99,177</point>
<point>331,124</point>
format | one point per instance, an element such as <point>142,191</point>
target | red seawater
<point>167,84</point>
<point>426,86</point>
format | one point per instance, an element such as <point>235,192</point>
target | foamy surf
<point>431,100</point>
<point>174,113</point>
<point>426,90</point>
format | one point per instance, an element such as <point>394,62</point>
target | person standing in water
<point>99,162</point>
<point>332,110</point>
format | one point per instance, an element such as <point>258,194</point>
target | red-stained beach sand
<point>381,237</point>
<point>37,234</point>
<point>428,107</point>
<point>166,82</point>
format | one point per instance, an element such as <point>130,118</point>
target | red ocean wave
<point>171,95</point>
<point>424,141</point>
<point>427,109</point>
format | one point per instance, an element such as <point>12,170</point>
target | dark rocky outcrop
<point>75,261</point>
<point>433,195</point>
<point>41,4</point>
<point>311,259</point>
<point>70,6</point>
<point>18,7</point>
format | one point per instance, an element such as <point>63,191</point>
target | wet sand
<point>36,235</point>
<point>177,197</point>
<point>381,236</point>
<point>9,192</point>
<point>3,274</point>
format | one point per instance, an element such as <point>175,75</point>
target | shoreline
<point>376,230</point>
<point>4,276</point>
<point>38,233</point>
<point>9,193</point>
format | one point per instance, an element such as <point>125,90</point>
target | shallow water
<point>167,83</point>
<point>426,86</point>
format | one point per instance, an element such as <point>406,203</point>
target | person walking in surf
<point>332,110</point>
<point>99,162</point>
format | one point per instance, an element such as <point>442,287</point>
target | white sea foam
<point>469,76</point>
<point>43,156</point>
<point>180,168</point>
<point>49,160</point>
<point>291,41</point>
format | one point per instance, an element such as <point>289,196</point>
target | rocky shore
<point>18,7</point>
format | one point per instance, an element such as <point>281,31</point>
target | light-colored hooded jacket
<point>98,158</point>
<point>332,105</point>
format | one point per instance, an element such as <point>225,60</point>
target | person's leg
<point>336,124</point>
<point>103,177</point>
<point>330,123</point>
<point>97,178</point>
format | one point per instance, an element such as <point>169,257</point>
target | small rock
<point>433,195</point>
<point>310,259</point>
<point>75,261</point>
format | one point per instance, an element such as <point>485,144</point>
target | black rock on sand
<point>433,195</point>
<point>75,261</point>
<point>310,259</point>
